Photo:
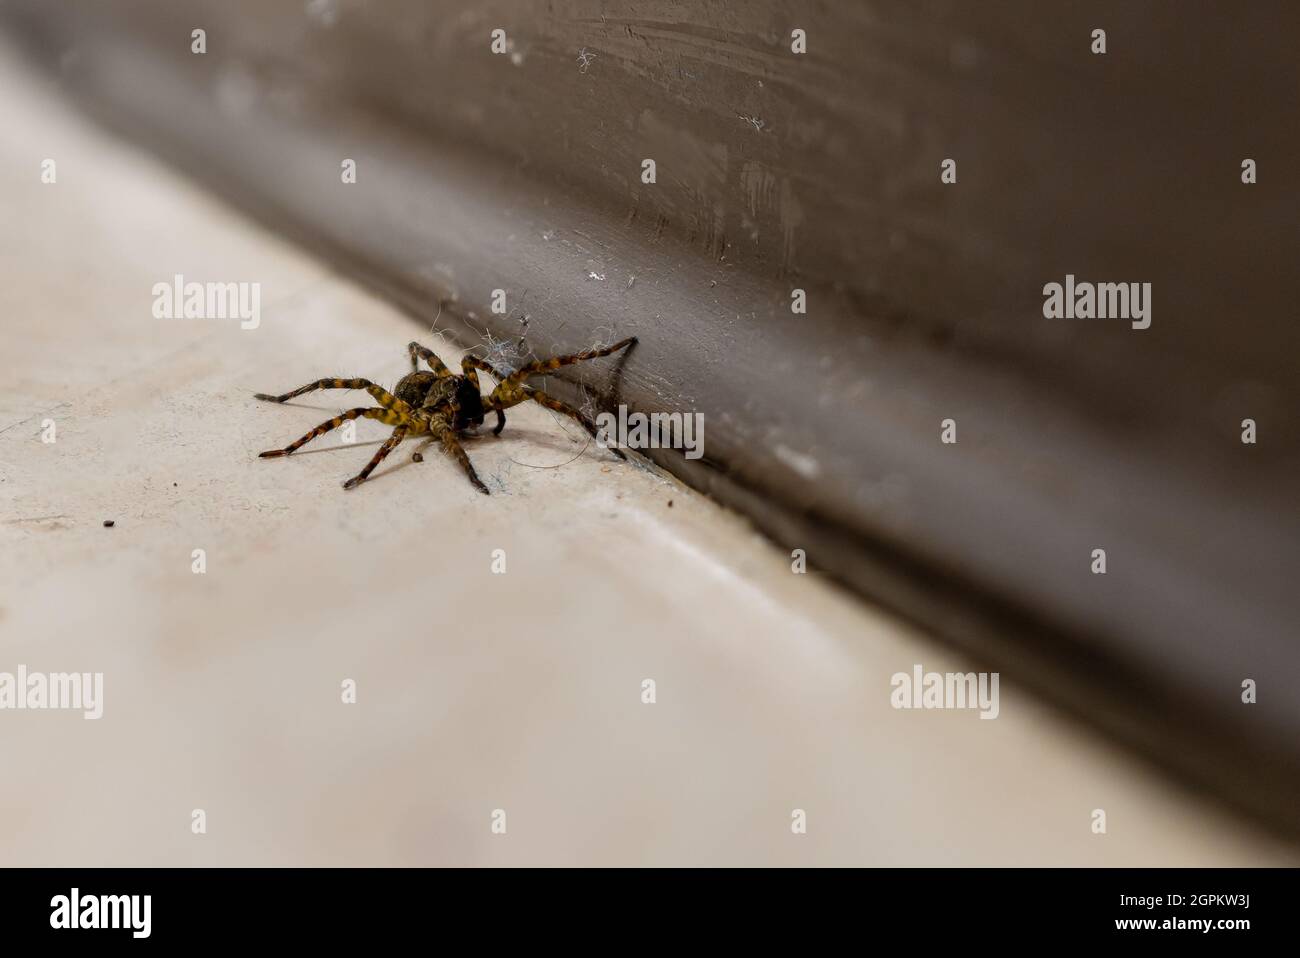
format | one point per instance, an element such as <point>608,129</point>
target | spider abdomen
<point>413,389</point>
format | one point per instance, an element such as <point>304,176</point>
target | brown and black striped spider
<point>440,404</point>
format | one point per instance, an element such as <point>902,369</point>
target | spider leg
<point>382,395</point>
<point>507,395</point>
<point>428,355</point>
<point>418,455</point>
<point>470,366</point>
<point>439,430</point>
<point>546,365</point>
<point>452,447</point>
<point>387,416</point>
<point>471,363</point>
<point>389,445</point>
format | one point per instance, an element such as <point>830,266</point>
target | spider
<point>440,404</point>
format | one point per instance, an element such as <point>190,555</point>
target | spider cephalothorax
<point>443,392</point>
<point>440,404</point>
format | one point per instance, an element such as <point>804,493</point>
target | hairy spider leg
<point>438,429</point>
<point>546,365</point>
<point>452,447</point>
<point>511,390</point>
<point>387,416</point>
<point>382,395</point>
<point>513,396</point>
<point>470,366</point>
<point>429,356</point>
<point>418,455</point>
<point>389,445</point>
